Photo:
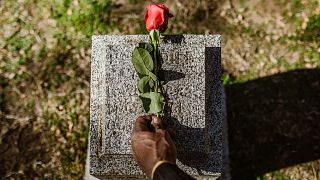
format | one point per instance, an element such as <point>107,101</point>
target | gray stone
<point>194,103</point>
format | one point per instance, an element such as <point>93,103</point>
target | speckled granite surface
<point>191,71</point>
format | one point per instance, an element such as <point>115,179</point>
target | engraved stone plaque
<point>194,103</point>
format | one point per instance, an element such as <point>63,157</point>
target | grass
<point>87,17</point>
<point>45,64</point>
<point>312,32</point>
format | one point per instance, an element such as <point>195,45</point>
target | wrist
<point>158,164</point>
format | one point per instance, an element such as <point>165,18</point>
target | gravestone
<point>194,103</point>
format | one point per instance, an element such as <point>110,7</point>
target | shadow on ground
<point>274,122</point>
<point>23,152</point>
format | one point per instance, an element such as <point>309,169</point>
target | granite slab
<point>194,109</point>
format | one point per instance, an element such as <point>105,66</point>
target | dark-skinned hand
<point>151,144</point>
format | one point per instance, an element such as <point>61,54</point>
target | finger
<point>143,123</point>
<point>157,122</point>
<point>168,136</point>
<point>173,148</point>
<point>141,136</point>
<point>172,133</point>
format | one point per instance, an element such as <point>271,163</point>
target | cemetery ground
<point>270,57</point>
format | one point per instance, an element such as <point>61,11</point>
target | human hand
<point>151,144</point>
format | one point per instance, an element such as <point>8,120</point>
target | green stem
<point>155,63</point>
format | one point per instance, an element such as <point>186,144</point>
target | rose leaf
<point>143,85</point>
<point>146,46</point>
<point>157,102</point>
<point>142,61</point>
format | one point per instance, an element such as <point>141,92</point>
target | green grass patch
<point>88,16</point>
<point>228,79</point>
<point>312,32</point>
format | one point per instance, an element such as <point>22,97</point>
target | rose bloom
<point>156,17</point>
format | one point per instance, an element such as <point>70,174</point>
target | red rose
<point>156,17</point>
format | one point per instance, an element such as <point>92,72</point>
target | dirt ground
<point>270,57</point>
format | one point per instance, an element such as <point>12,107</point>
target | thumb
<point>157,122</point>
